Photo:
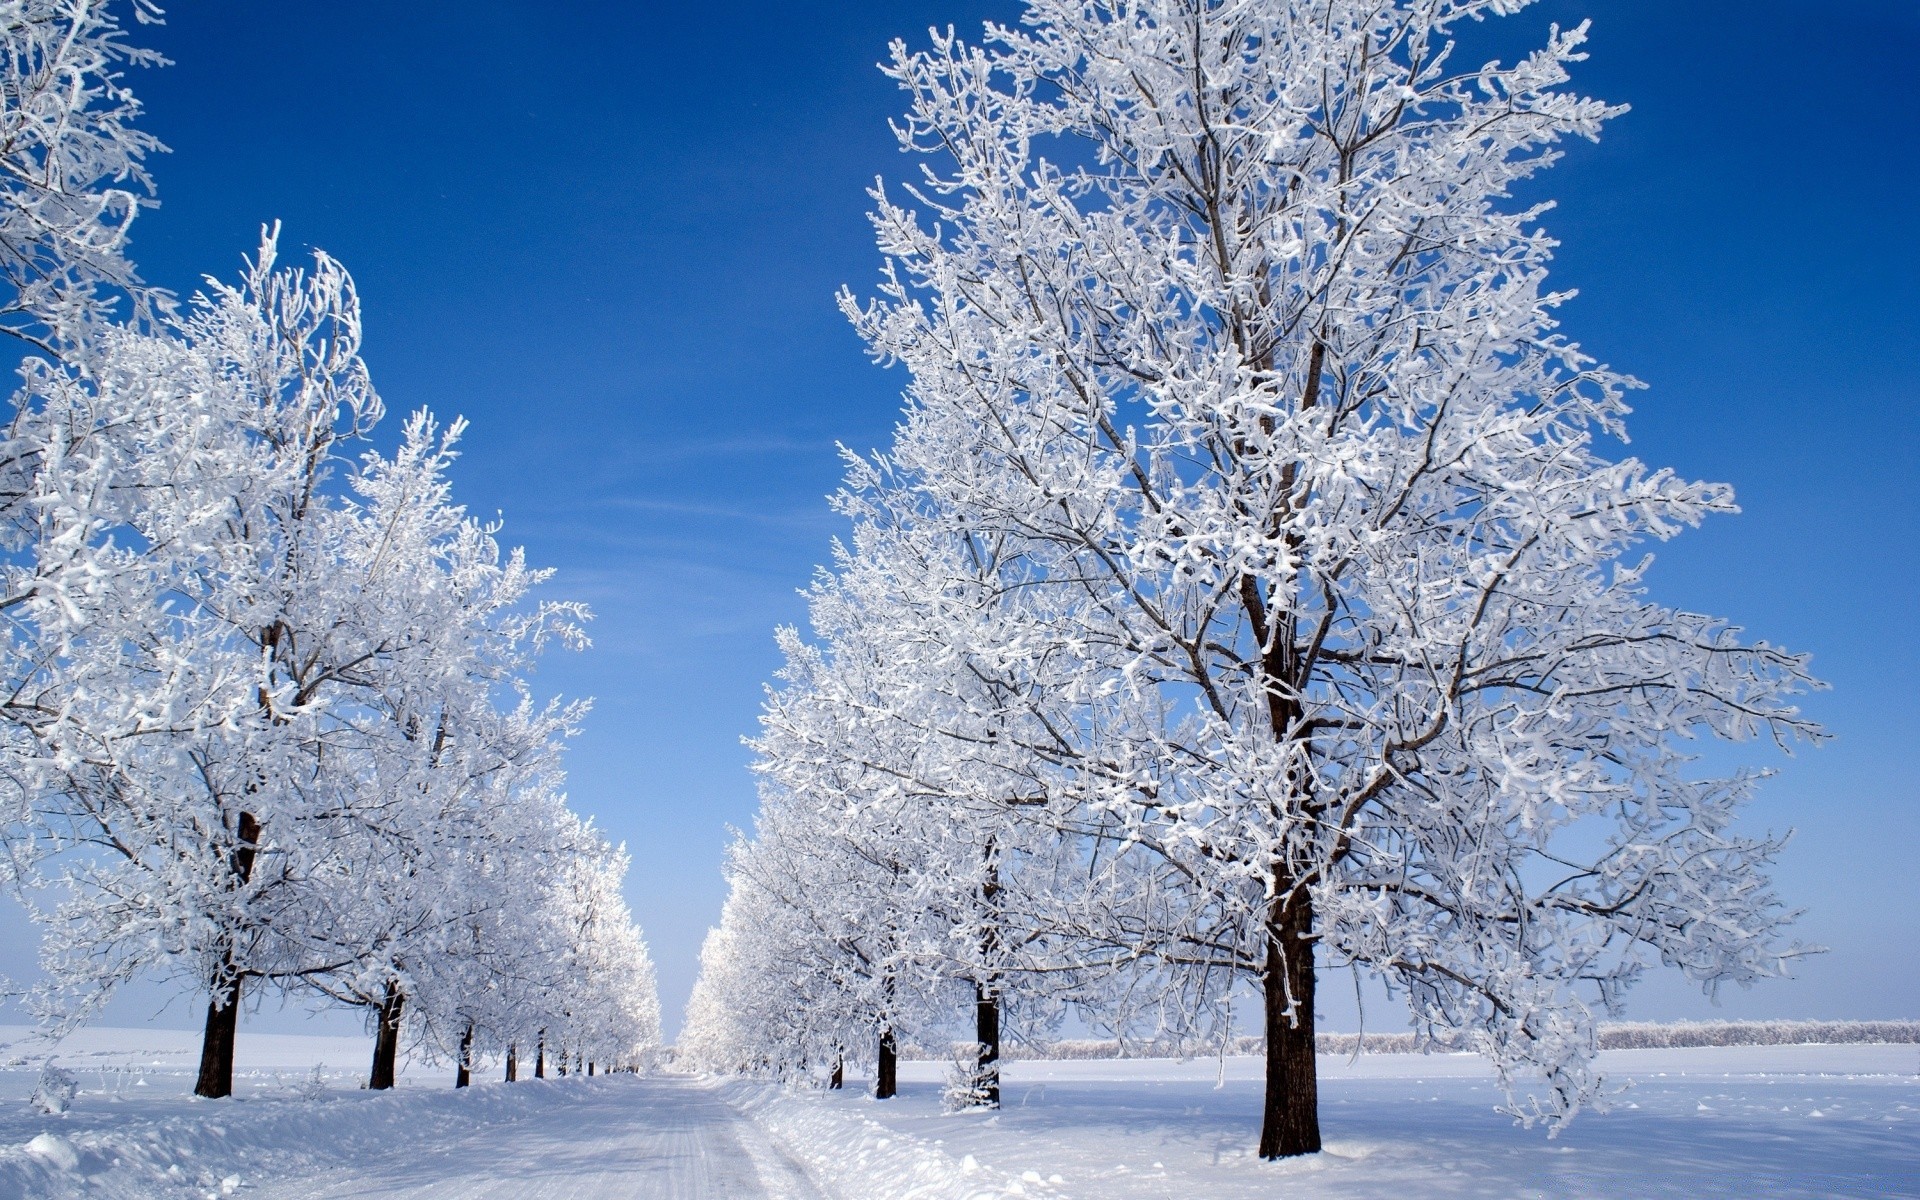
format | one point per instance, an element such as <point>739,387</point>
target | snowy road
<point>662,1138</point>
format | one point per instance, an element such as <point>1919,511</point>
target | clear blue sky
<point>609,234</point>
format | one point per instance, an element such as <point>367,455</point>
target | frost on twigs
<point>73,168</point>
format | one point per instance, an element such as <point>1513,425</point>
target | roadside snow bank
<point>174,1146</point>
<point>858,1158</point>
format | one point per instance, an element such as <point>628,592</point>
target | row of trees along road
<point>1250,588</point>
<point>266,720</point>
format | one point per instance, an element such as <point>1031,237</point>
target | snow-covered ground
<point>1773,1121</point>
<point>109,1058</point>
<point>135,1132</point>
<point>1776,1121</point>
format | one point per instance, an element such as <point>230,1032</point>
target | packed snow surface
<point>1779,1121</point>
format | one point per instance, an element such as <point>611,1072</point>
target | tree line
<point>266,714</point>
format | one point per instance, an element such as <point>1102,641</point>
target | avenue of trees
<point>265,718</point>
<point>1253,586</point>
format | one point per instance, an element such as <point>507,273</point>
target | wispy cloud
<point>685,449</point>
<point>815,516</point>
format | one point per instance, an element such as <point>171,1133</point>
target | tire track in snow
<point>662,1137</point>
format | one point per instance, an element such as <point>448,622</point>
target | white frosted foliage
<point>1253,542</point>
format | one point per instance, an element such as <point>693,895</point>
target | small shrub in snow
<point>55,1091</point>
<point>314,1086</point>
<point>967,1086</point>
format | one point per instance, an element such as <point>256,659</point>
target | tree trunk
<point>513,1063</point>
<point>839,1078</point>
<point>1290,1116</point>
<point>223,1006</point>
<point>540,1056</point>
<point>886,1072</point>
<point>589,1068</point>
<point>216,1046</point>
<point>463,1072</point>
<point>386,1040</point>
<point>986,1031</point>
<point>986,1000</point>
<point>1290,1122</point>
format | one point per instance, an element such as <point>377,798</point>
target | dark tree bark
<point>463,1072</point>
<point>986,1031</point>
<point>886,1074</point>
<point>986,997</point>
<point>386,1039</point>
<point>540,1056</point>
<point>1290,1116</point>
<point>216,1045</point>
<point>839,1078</point>
<point>589,1068</point>
<point>223,1006</point>
<point>513,1063</point>
<point>1290,1122</point>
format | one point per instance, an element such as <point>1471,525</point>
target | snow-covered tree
<point>265,718</point>
<point>597,1002</point>
<point>74,180</point>
<point>723,1027</point>
<point>463,765</point>
<point>74,174</point>
<point>615,1005</point>
<point>569,977</point>
<point>826,952</point>
<point>1227,305</point>
<point>270,711</point>
<point>904,820</point>
<point>191,642</point>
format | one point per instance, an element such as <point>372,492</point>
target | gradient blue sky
<point>609,234</point>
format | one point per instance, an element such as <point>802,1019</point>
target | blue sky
<point>609,234</point>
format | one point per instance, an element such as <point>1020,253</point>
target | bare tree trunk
<point>386,1039</point>
<point>886,1072</point>
<point>463,1072</point>
<point>839,1078</point>
<point>540,1056</point>
<point>986,1031</point>
<point>589,1068</point>
<point>223,1006</point>
<point>513,1063</point>
<point>216,1045</point>
<point>1290,1122</point>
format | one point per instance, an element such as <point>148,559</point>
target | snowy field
<point>1775,1121</point>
